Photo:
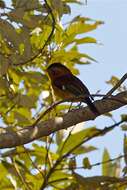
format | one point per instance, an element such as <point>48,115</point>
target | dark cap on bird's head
<point>57,69</point>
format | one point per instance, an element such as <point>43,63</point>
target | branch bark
<point>44,128</point>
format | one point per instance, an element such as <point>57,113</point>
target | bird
<point>67,86</point>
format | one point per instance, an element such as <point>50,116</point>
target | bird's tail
<point>92,106</point>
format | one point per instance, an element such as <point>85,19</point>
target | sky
<point>111,57</point>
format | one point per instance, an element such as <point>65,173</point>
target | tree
<point>32,36</point>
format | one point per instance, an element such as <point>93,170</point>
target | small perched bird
<point>68,86</point>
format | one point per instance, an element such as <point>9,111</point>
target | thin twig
<point>58,180</point>
<point>47,151</point>
<point>93,165</point>
<point>116,86</point>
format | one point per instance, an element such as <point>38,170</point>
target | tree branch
<point>44,128</point>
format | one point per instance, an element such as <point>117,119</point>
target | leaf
<point>74,1</point>
<point>81,19</point>
<point>76,139</point>
<point>59,34</point>
<point>25,101</point>
<point>3,84</point>
<point>9,167</point>
<point>105,167</point>
<point>70,55</point>
<point>66,9</point>
<point>31,4</point>
<point>34,180</point>
<point>86,163</point>
<point>124,117</point>
<point>34,77</point>
<point>113,81</point>
<point>72,164</point>
<point>108,169</point>
<point>85,40</point>
<point>9,33</point>
<point>57,5</point>
<point>22,116</point>
<point>4,171</point>
<point>81,27</point>
<point>59,136</point>
<point>84,149</point>
<point>13,181</point>
<point>57,175</point>
<point>124,127</point>
<point>41,152</point>
<point>125,149</point>
<point>25,48</point>
<point>15,76</point>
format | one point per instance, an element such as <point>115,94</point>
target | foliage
<point>33,34</point>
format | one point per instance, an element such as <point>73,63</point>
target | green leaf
<point>31,4</point>
<point>22,116</point>
<point>113,81</point>
<point>34,180</point>
<point>59,34</point>
<point>125,149</point>
<point>85,40</point>
<point>75,139</point>
<point>72,163</point>
<point>4,65</point>
<point>59,136</point>
<point>84,149</point>
<point>124,127</point>
<point>108,169</point>
<point>4,171</point>
<point>9,33</point>
<point>59,175</point>
<point>86,163</point>
<point>73,1</point>
<point>25,101</point>
<point>71,55</point>
<point>81,27</point>
<point>41,152</point>
<point>124,117</point>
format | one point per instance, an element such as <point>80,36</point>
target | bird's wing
<point>71,84</point>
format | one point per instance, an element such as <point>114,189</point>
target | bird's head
<point>56,70</point>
